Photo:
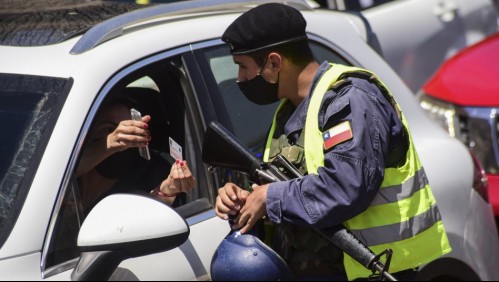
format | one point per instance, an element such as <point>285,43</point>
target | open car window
<point>155,90</point>
<point>247,121</point>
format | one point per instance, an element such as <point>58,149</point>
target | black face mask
<point>260,91</point>
<point>120,164</point>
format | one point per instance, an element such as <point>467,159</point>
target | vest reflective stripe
<point>387,234</point>
<point>394,212</point>
<point>423,248</point>
<point>395,193</point>
<point>404,202</point>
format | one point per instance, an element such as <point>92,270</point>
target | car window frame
<point>192,113</point>
<point>221,112</point>
<point>221,175</point>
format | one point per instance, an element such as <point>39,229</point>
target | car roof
<point>39,23</point>
<point>115,26</point>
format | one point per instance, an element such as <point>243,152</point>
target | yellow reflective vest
<point>403,216</point>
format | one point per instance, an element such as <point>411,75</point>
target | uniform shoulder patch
<point>337,134</point>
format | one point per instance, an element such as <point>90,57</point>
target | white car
<point>54,80</point>
<point>416,36</point>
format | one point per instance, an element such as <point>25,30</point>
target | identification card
<point>175,150</point>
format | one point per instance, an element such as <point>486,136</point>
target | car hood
<point>470,78</point>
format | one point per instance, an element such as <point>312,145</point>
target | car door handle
<point>446,10</point>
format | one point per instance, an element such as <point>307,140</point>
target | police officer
<point>342,128</point>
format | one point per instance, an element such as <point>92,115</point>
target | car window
<point>248,121</point>
<point>29,108</point>
<point>154,90</point>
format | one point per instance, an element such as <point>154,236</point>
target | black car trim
<point>372,38</point>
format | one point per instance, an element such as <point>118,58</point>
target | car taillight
<point>480,181</point>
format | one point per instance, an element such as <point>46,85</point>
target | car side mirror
<point>124,226</point>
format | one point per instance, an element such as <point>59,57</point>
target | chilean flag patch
<point>337,134</point>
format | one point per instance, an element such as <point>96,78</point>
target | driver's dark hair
<point>298,53</point>
<point>118,98</point>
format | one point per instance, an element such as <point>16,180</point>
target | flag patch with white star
<point>337,134</point>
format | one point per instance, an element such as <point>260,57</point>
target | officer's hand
<point>254,209</point>
<point>230,200</point>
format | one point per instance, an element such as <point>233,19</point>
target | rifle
<point>222,149</point>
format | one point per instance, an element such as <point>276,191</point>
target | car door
<point>161,86</point>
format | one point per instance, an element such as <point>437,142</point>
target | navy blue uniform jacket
<point>353,170</point>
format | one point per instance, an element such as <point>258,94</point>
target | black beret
<point>265,26</point>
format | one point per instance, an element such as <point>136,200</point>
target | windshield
<point>29,108</point>
<point>38,23</point>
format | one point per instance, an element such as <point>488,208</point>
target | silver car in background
<point>416,36</point>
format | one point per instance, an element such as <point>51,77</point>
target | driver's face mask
<point>260,91</point>
<point>119,165</point>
